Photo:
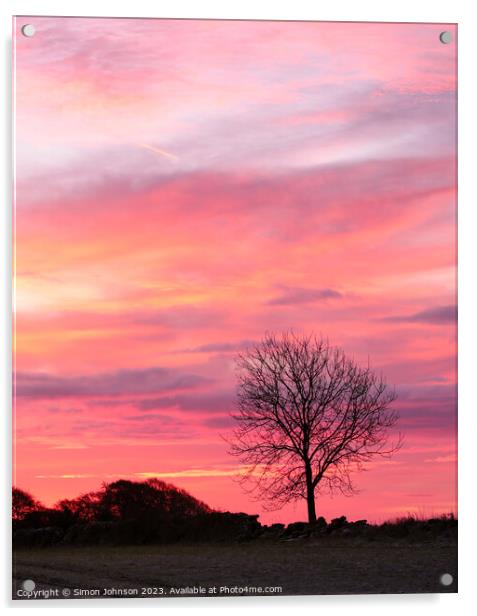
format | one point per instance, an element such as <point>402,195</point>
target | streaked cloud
<point>120,382</point>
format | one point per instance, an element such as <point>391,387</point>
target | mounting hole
<point>446,579</point>
<point>29,585</point>
<point>445,37</point>
<point>28,30</point>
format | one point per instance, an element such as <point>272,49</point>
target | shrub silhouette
<point>23,504</point>
<point>130,500</point>
<point>122,512</point>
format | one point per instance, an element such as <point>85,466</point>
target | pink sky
<point>184,186</point>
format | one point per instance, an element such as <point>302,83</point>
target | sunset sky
<point>182,187</point>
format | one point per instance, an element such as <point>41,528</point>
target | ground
<point>297,567</point>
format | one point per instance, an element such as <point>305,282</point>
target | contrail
<point>159,151</point>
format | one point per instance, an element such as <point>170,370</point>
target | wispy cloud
<point>212,401</point>
<point>120,382</point>
<point>221,347</point>
<point>298,295</point>
<point>202,472</point>
<point>441,315</point>
<point>160,152</point>
<point>439,459</point>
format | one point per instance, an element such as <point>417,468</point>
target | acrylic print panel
<point>235,308</point>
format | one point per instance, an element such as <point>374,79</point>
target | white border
<point>344,10</point>
<point>450,11</point>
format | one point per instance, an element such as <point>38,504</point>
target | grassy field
<point>299,567</point>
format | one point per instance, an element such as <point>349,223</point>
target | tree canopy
<point>307,417</point>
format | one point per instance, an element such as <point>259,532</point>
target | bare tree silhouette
<point>307,417</point>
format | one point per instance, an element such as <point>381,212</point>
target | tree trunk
<point>310,495</point>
